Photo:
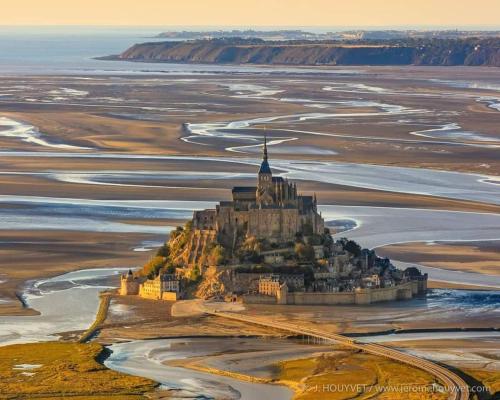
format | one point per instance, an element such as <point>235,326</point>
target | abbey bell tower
<point>271,210</point>
<point>265,184</point>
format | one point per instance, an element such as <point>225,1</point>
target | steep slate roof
<point>264,168</point>
<point>244,189</point>
<point>307,201</point>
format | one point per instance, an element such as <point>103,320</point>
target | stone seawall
<point>102,314</point>
<point>170,296</point>
<point>258,299</point>
<point>315,298</point>
<point>359,296</point>
<point>405,291</point>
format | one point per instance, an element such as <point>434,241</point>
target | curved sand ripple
<point>28,133</point>
<point>456,185</point>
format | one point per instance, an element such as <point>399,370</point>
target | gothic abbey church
<point>271,210</point>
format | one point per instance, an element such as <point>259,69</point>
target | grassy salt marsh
<point>54,369</point>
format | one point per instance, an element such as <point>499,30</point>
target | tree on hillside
<point>170,268</point>
<point>217,256</point>
<point>152,267</point>
<point>163,251</point>
<point>304,251</point>
<point>352,247</point>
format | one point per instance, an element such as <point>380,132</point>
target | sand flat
<point>364,133</point>
<point>27,255</point>
<point>482,257</point>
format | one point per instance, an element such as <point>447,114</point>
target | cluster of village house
<point>345,279</point>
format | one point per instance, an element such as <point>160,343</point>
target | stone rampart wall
<point>317,298</point>
<point>360,296</point>
<point>258,299</point>
<point>170,296</point>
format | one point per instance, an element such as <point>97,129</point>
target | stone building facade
<point>129,284</point>
<point>269,285</point>
<point>159,287</point>
<point>274,287</point>
<point>272,210</point>
<point>162,287</point>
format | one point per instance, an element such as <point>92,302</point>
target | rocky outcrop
<point>437,52</point>
<point>191,247</point>
<point>216,282</point>
<point>198,246</point>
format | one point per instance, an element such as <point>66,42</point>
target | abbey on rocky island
<point>272,210</point>
<point>269,245</point>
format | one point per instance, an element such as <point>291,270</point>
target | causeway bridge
<point>454,385</point>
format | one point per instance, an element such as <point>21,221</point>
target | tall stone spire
<point>264,153</point>
<point>265,193</point>
<point>264,166</point>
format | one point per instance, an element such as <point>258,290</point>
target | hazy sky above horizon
<point>251,12</point>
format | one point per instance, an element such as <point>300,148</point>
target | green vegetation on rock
<point>217,255</point>
<point>304,252</point>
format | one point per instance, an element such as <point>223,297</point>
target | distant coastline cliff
<point>432,52</point>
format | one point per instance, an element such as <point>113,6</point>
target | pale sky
<point>251,12</point>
